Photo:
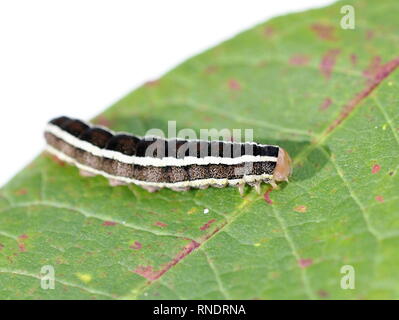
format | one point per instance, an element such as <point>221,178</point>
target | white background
<point>78,57</point>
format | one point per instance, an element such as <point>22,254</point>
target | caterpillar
<point>153,162</point>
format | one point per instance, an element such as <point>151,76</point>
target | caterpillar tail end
<point>257,187</point>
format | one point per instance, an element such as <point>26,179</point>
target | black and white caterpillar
<point>154,163</point>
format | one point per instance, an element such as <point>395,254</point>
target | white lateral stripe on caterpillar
<point>182,184</point>
<point>150,161</point>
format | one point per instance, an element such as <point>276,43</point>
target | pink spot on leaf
<point>160,224</point>
<point>376,71</point>
<point>136,245</point>
<point>21,192</point>
<point>23,236</point>
<point>266,196</point>
<point>326,104</point>
<point>369,34</point>
<point>149,273</point>
<point>323,31</point>
<point>328,62</point>
<point>373,68</point>
<point>379,198</point>
<point>22,247</point>
<point>299,60</point>
<point>375,169</point>
<point>384,70</point>
<point>207,225</point>
<point>109,223</point>
<point>304,263</point>
<point>146,272</point>
<point>268,31</point>
<point>353,58</point>
<point>234,85</point>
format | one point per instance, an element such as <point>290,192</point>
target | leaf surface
<point>327,95</point>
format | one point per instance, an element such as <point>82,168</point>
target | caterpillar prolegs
<point>154,162</point>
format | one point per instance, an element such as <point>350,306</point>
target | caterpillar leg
<point>241,189</point>
<point>273,184</point>
<point>257,187</point>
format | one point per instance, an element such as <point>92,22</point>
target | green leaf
<point>327,95</point>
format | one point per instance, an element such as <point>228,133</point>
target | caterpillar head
<point>283,167</point>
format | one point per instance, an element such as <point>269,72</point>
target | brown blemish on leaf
<point>160,224</point>
<point>214,231</point>
<point>268,31</point>
<point>304,263</point>
<point>369,34</point>
<point>233,84</point>
<point>146,272</point>
<point>328,62</point>
<point>323,293</point>
<point>373,68</point>
<point>326,104</point>
<point>353,58</point>
<point>262,64</point>
<point>1,246</point>
<point>324,31</point>
<point>375,169</point>
<point>299,60</point>
<point>211,69</point>
<point>207,225</point>
<point>301,209</point>
<point>149,273</point>
<point>379,198</point>
<point>22,247</point>
<point>109,223</point>
<point>136,245</point>
<point>21,192</point>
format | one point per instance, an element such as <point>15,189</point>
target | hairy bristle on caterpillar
<point>155,163</point>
